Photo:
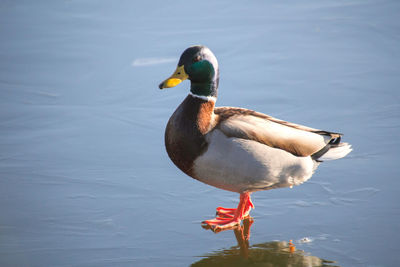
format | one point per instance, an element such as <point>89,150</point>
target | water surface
<point>84,176</point>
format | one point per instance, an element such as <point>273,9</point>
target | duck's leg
<point>228,218</point>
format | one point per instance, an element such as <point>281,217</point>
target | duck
<point>238,149</point>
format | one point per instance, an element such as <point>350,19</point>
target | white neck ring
<point>206,98</point>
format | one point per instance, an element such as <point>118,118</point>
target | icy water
<point>84,176</point>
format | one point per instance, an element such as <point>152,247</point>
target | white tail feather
<point>337,152</point>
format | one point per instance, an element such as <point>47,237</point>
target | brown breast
<point>185,132</point>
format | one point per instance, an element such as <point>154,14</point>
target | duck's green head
<point>199,65</point>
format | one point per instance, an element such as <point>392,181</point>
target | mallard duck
<point>238,149</point>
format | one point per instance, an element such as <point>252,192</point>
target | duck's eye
<point>179,73</point>
<point>196,58</point>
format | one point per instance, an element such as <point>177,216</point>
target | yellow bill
<point>176,78</point>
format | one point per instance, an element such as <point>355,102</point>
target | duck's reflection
<point>274,253</point>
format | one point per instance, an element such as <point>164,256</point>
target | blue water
<point>84,176</point>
